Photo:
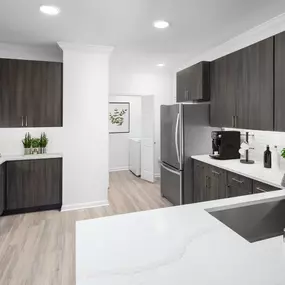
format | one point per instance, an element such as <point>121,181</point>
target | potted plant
<point>283,179</point>
<point>35,145</point>
<point>27,143</point>
<point>43,143</point>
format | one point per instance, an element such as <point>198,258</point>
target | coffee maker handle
<point>176,137</point>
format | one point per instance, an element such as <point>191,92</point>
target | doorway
<point>141,132</point>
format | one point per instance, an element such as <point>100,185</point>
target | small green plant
<point>43,140</point>
<point>27,141</point>
<point>283,152</point>
<point>35,142</point>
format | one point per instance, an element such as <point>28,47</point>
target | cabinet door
<point>217,185</point>
<point>12,84</point>
<point>238,185</point>
<point>2,189</point>
<point>45,96</point>
<point>200,181</point>
<point>193,83</point>
<point>259,187</point>
<point>198,87</point>
<point>33,183</point>
<point>181,85</point>
<point>222,101</point>
<point>279,119</point>
<point>255,95</point>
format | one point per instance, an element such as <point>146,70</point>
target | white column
<point>85,125</point>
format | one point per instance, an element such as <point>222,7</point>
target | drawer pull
<point>215,172</point>
<point>260,189</point>
<point>238,181</point>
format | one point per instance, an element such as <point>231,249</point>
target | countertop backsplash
<point>11,139</point>
<point>259,142</point>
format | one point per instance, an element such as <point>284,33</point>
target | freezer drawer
<point>171,184</point>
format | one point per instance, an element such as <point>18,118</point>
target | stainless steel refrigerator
<point>185,131</point>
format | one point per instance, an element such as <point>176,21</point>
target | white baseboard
<point>81,206</point>
<point>157,175</point>
<point>123,168</point>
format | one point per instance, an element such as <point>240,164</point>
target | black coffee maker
<point>225,144</point>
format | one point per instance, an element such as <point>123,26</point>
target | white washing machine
<point>135,156</point>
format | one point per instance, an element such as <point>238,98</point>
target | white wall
<point>47,53</point>
<point>85,120</point>
<point>260,140</point>
<point>129,79</point>
<point>119,143</point>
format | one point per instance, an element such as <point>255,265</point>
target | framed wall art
<point>119,117</point>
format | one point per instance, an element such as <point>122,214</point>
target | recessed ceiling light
<point>161,24</point>
<point>50,10</point>
<point>160,65</point>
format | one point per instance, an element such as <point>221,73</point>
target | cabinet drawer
<point>259,187</point>
<point>238,185</point>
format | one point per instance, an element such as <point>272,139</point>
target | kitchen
<point>217,90</point>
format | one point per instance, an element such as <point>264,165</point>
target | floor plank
<point>39,248</point>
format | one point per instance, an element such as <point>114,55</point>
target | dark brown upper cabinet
<point>222,105</point>
<point>30,93</point>
<point>193,83</point>
<point>279,118</point>
<point>242,88</point>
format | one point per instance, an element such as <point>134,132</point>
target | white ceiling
<point>196,25</point>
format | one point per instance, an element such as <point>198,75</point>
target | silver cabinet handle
<point>238,181</point>
<point>236,124</point>
<point>215,172</point>
<point>233,121</point>
<point>176,137</point>
<point>26,121</point>
<point>260,189</point>
<point>22,121</point>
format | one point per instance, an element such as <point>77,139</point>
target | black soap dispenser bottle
<point>267,158</point>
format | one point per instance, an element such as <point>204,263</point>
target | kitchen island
<point>178,245</point>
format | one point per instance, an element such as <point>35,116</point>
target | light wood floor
<point>39,248</point>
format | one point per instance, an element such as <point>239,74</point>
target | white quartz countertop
<point>5,158</point>
<point>254,171</point>
<point>177,245</point>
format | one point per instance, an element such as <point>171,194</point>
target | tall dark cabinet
<point>30,93</point>
<point>193,83</point>
<point>242,88</point>
<point>279,118</point>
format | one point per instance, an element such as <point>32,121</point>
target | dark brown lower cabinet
<point>2,189</point>
<point>200,181</point>
<point>217,183</point>
<point>259,187</point>
<point>34,184</point>
<point>238,185</point>
<point>212,183</point>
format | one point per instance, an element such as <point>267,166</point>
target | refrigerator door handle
<point>176,137</point>
<point>170,170</point>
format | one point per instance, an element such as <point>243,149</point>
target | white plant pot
<point>27,151</point>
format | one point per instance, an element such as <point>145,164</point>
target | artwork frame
<point>119,117</point>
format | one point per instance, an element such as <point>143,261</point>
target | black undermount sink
<point>255,222</point>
